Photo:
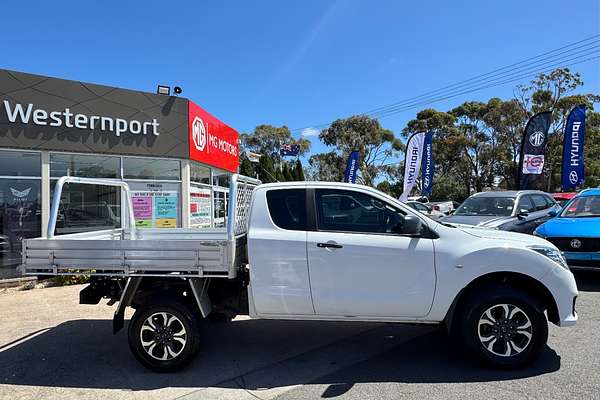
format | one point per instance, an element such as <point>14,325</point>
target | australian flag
<point>289,150</point>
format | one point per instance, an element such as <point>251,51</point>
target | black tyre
<point>164,337</point>
<point>502,326</point>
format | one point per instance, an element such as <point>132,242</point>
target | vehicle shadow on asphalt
<point>588,281</point>
<point>254,355</point>
<point>431,358</point>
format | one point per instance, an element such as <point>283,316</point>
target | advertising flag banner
<point>533,150</point>
<point>574,140</point>
<point>351,167</point>
<point>289,150</point>
<point>427,165</point>
<point>412,163</point>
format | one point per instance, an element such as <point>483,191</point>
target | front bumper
<point>563,288</point>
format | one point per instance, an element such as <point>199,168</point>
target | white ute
<point>316,251</point>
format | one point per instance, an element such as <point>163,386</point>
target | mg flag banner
<point>427,165</point>
<point>572,162</point>
<point>533,150</point>
<point>412,163</point>
<point>351,167</point>
<point>289,150</point>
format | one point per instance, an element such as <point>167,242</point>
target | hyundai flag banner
<point>427,165</point>
<point>351,167</point>
<point>533,150</point>
<point>412,163</point>
<point>572,162</point>
<point>289,149</point>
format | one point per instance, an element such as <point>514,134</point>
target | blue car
<point>576,230</point>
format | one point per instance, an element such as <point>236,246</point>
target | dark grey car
<point>516,211</point>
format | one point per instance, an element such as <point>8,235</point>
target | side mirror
<point>552,213</point>
<point>522,214</point>
<point>411,226</point>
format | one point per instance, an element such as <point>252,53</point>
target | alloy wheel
<point>504,330</point>
<point>163,336</point>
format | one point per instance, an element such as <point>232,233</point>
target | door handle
<point>329,245</point>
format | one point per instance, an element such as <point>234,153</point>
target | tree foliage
<point>298,171</point>
<point>267,139</point>
<point>375,145</point>
<point>477,144</point>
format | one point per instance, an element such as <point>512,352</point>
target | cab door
<point>279,279</point>
<point>361,264</point>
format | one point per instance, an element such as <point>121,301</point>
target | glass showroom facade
<point>158,186</point>
<point>176,157</point>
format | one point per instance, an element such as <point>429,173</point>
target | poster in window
<point>155,207</point>
<point>165,211</point>
<point>199,207</point>
<point>142,211</point>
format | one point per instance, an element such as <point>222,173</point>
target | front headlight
<point>552,254</point>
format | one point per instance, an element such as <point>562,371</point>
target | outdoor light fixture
<point>162,89</point>
<point>177,90</point>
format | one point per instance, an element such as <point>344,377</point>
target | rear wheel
<point>503,327</point>
<point>164,337</point>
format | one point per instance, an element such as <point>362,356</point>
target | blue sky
<point>298,63</point>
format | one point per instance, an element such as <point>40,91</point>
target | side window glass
<point>349,211</point>
<point>549,201</point>
<point>539,202</point>
<point>525,204</point>
<point>421,207</point>
<point>287,208</point>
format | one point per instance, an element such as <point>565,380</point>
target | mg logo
<point>20,194</point>
<point>537,138</point>
<point>573,177</point>
<point>199,134</point>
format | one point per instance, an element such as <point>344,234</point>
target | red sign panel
<point>211,141</point>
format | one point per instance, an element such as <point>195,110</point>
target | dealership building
<point>176,158</point>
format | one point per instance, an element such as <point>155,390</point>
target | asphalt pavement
<point>51,347</point>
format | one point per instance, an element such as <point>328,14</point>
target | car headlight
<point>552,254</point>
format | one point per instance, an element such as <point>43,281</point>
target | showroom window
<point>20,206</point>
<point>85,208</point>
<point>151,168</point>
<point>221,179</point>
<point>199,173</point>
<point>19,163</point>
<point>156,201</point>
<point>84,166</point>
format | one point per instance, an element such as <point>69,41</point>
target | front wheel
<point>165,337</point>
<point>503,327</point>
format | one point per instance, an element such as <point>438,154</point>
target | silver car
<point>512,210</point>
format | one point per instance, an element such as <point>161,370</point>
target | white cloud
<point>310,132</point>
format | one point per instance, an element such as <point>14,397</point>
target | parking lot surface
<point>51,347</point>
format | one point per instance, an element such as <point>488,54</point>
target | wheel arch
<point>514,279</point>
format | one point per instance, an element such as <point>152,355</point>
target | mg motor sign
<point>211,141</point>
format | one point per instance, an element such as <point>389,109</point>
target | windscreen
<point>581,207</point>
<point>500,206</point>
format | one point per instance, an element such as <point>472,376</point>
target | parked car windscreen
<point>581,207</point>
<point>500,206</point>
